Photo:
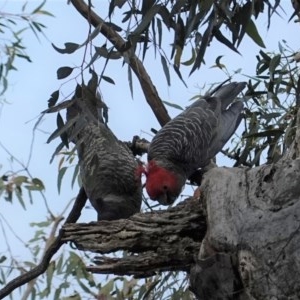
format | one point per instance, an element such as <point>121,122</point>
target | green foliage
<point>270,111</point>
<point>14,184</point>
<point>192,24</point>
<point>64,72</point>
<point>13,46</point>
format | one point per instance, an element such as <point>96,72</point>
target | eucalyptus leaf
<point>69,48</point>
<point>166,69</point>
<point>266,133</point>
<point>252,32</point>
<point>53,98</point>
<point>174,105</point>
<point>60,176</point>
<point>146,20</point>
<point>108,79</point>
<point>64,72</point>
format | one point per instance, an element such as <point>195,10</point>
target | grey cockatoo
<point>190,141</point>
<point>107,166</point>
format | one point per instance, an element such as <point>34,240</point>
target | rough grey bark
<point>164,240</point>
<point>253,235</point>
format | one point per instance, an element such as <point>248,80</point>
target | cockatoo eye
<point>165,187</point>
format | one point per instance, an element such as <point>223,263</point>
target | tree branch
<point>156,241</point>
<point>138,146</point>
<point>136,65</point>
<point>51,250</point>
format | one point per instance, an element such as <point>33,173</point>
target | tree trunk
<point>251,247</point>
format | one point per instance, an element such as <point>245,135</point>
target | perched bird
<point>190,141</point>
<point>107,166</point>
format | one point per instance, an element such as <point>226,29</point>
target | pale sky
<point>30,88</point>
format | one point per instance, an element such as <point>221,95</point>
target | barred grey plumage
<point>190,141</point>
<point>107,166</point>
